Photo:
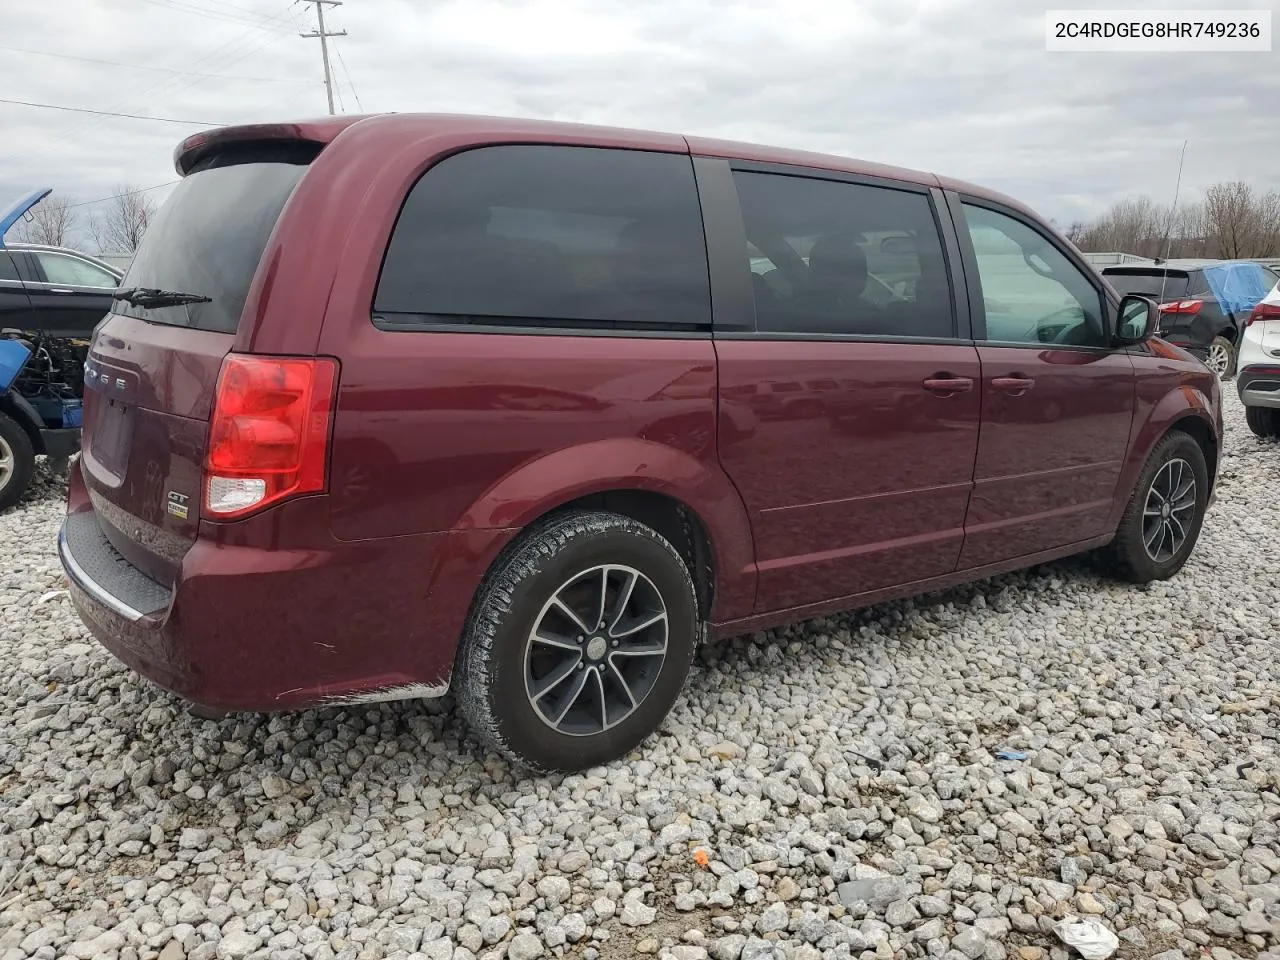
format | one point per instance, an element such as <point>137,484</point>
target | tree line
<point>114,225</point>
<point>1232,221</point>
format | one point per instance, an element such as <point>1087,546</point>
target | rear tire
<point>1162,522</point>
<point>578,643</point>
<point>1222,358</point>
<point>1263,421</point>
<point>17,461</point>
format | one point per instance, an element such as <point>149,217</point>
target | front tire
<point>17,461</point>
<point>1166,509</point>
<point>578,643</point>
<point>1263,421</point>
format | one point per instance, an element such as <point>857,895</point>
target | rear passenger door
<point>836,325</point>
<point>1057,397</point>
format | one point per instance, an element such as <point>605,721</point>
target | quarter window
<point>1031,291</point>
<point>832,257</point>
<point>550,236</point>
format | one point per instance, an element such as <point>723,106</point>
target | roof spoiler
<point>199,145</point>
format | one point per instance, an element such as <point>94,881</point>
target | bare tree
<point>53,220</point>
<point>1232,221</point>
<point>1228,218</point>
<point>121,221</point>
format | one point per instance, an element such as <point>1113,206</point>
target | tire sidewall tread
<point>491,656</point>
<point>24,457</point>
<point>1128,557</point>
<point>1264,422</point>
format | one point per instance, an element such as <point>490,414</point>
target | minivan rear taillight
<point>1264,311</point>
<point>1182,306</point>
<point>269,433</point>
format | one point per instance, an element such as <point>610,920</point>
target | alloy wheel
<point>1169,510</point>
<point>596,650</point>
<point>1219,359</point>
<point>7,463</point>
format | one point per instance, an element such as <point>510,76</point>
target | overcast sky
<point>953,86</point>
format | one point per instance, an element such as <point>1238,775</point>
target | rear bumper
<point>1259,386</point>
<point>252,628</point>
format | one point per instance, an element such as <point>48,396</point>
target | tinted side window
<point>1032,292</point>
<point>844,258</point>
<point>7,269</point>
<point>550,236</point>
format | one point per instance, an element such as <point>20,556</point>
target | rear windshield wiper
<point>153,297</point>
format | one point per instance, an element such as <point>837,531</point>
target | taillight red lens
<point>1182,306</point>
<point>1264,311</point>
<point>269,433</point>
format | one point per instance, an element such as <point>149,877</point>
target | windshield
<point>1148,284</point>
<point>207,240</point>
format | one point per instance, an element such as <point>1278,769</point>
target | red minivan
<point>391,406</point>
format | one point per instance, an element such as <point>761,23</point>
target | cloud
<point>961,88</point>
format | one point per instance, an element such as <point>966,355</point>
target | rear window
<point>549,236</point>
<point>1148,283</point>
<point>207,239</point>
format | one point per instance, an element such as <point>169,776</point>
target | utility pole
<point>324,45</point>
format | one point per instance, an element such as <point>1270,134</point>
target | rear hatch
<point>153,368</point>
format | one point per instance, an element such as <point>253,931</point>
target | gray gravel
<point>840,777</point>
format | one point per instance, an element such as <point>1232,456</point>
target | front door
<point>69,295</point>
<point>849,413</point>
<point>1057,400</point>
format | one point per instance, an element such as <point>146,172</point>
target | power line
<point>116,196</point>
<point>170,85</point>
<point>212,14</point>
<point>324,46</point>
<point>110,113</point>
<point>280,19</point>
<point>244,44</point>
<point>347,73</point>
<point>139,66</point>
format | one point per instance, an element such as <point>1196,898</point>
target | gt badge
<point>177,504</point>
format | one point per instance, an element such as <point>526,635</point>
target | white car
<point>1258,379</point>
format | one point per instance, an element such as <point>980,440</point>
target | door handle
<point>945,386</point>
<point>1015,386</point>
<point>60,290</point>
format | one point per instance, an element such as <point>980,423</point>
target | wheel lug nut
<point>582,666</point>
<point>617,643</point>
<point>580,639</point>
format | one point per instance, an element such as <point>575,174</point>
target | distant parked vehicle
<point>1204,304</point>
<point>1258,382</point>
<point>51,298</point>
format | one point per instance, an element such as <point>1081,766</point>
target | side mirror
<point>1137,320</point>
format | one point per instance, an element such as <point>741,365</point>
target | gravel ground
<point>830,790</point>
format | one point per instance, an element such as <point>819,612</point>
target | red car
<point>398,405</point>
